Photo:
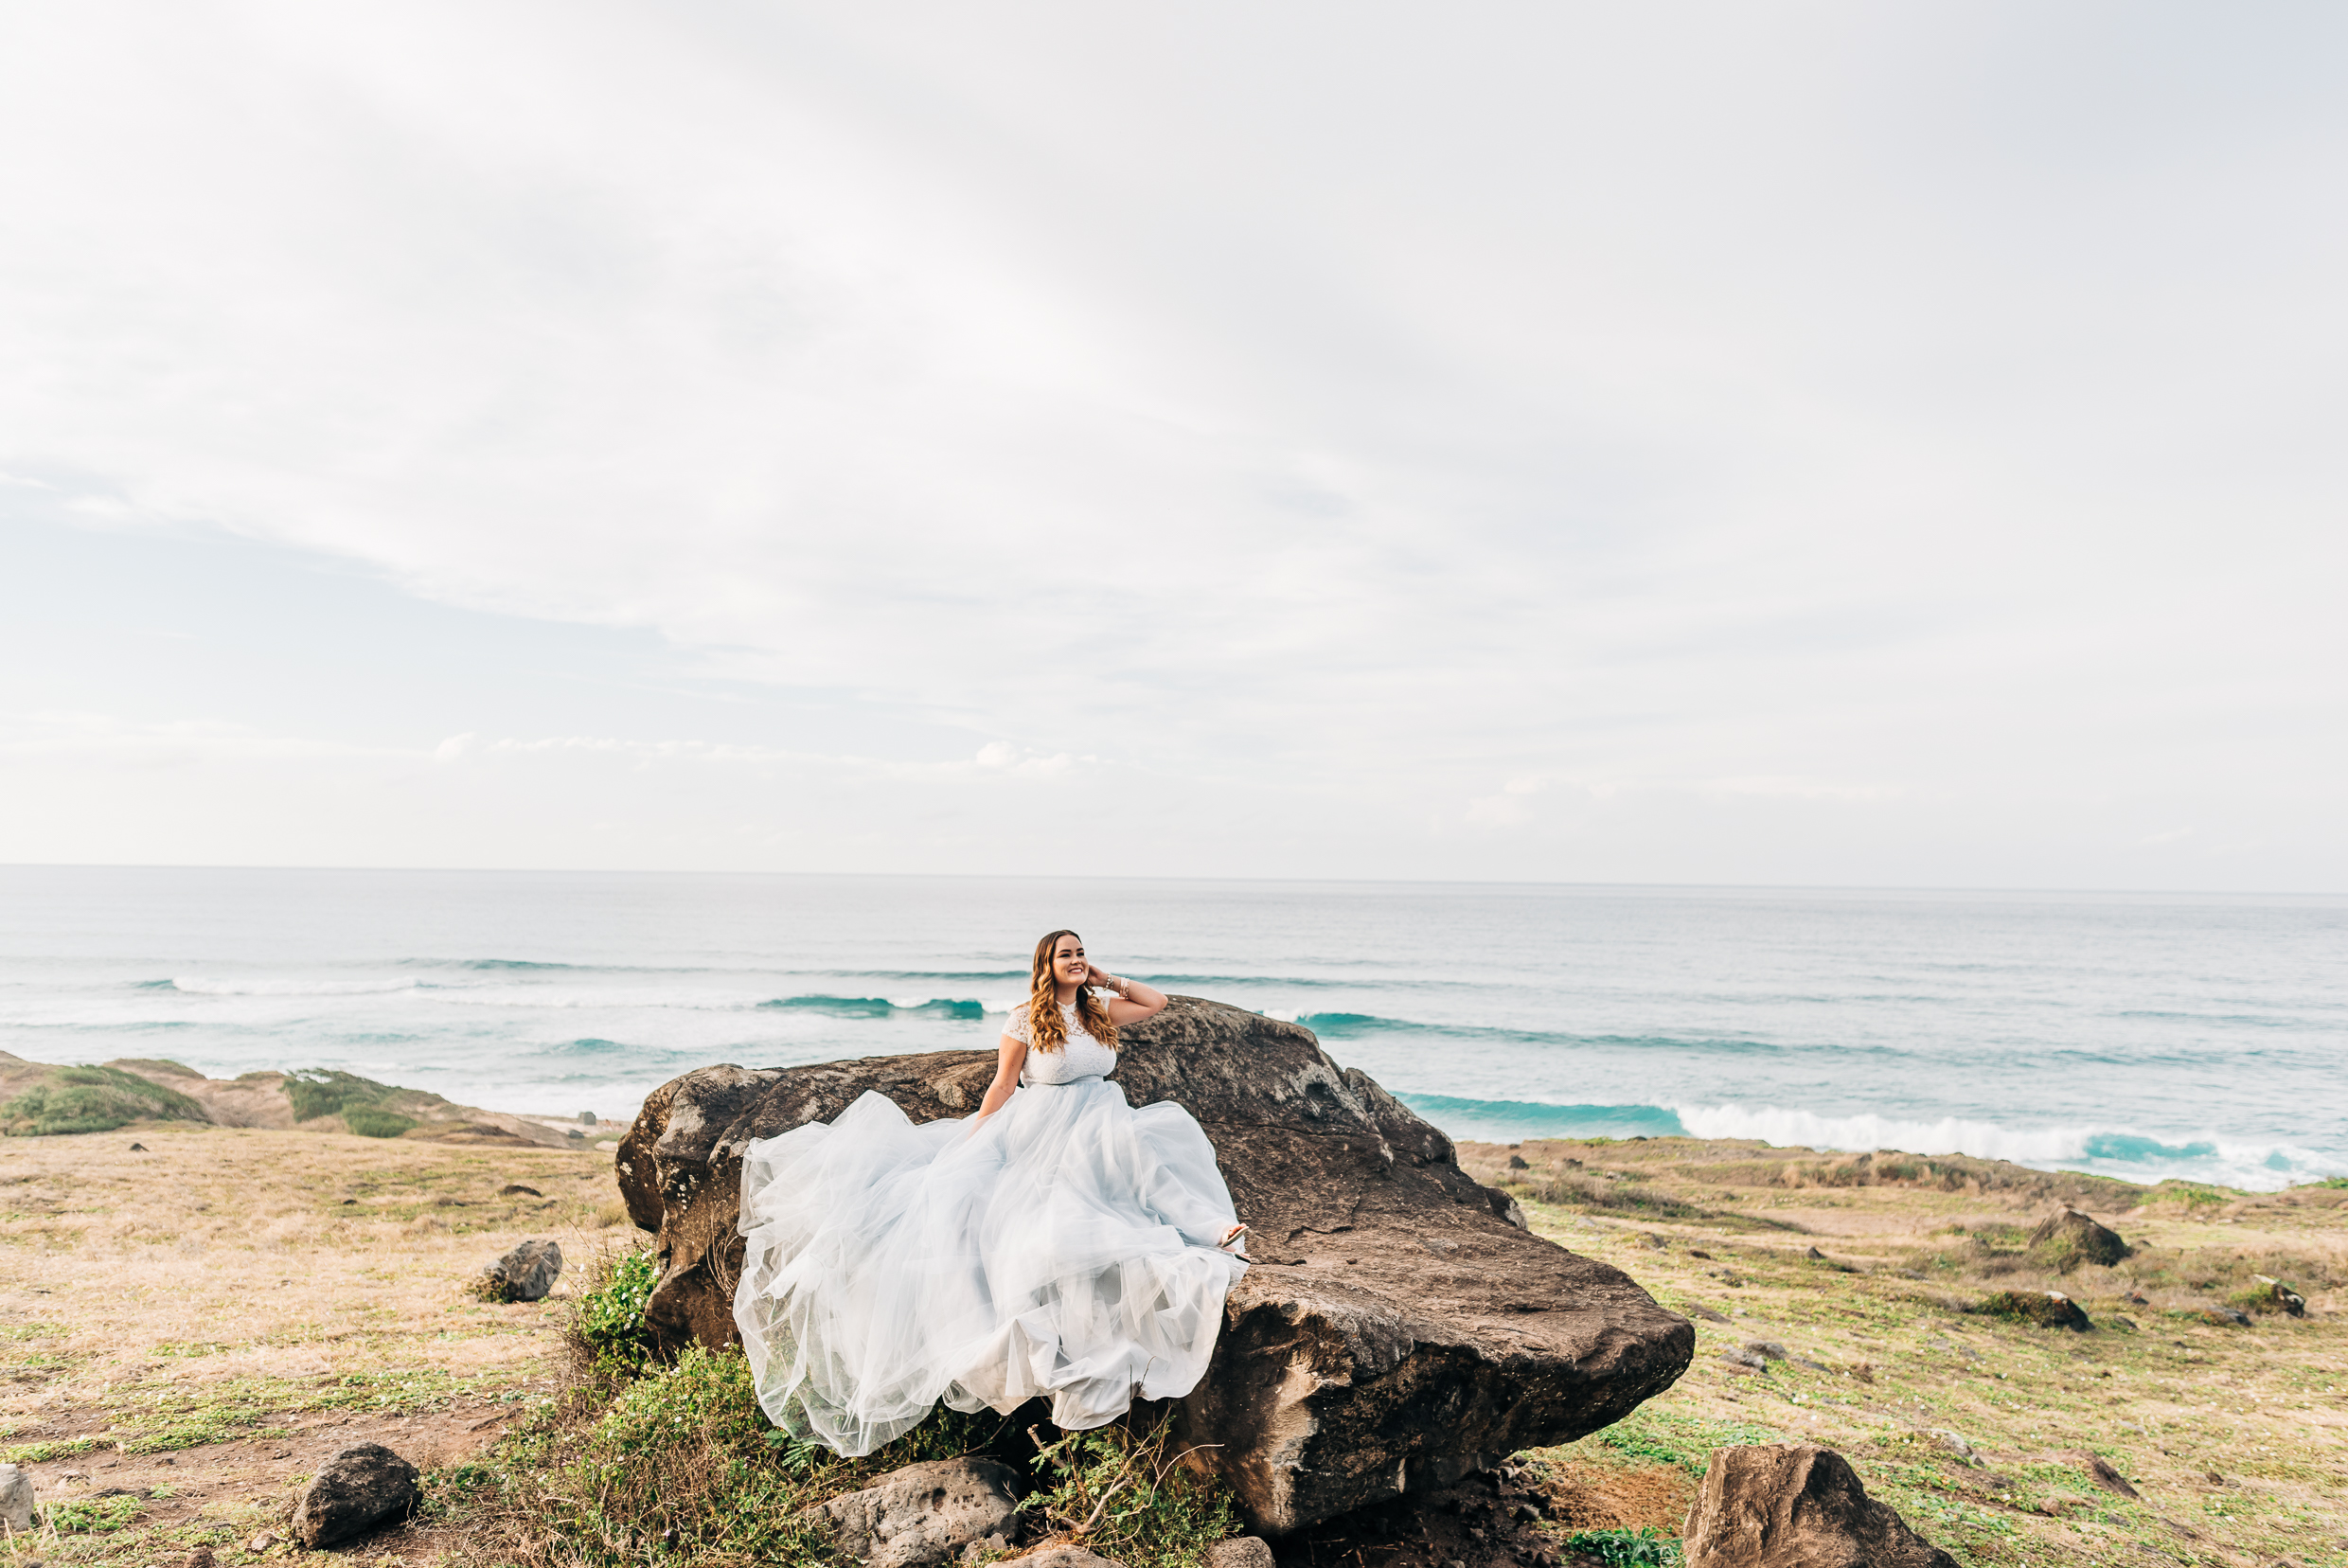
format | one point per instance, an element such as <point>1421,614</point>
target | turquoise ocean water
<point>2141,1036</point>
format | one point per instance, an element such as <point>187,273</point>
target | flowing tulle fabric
<point>1065,1249</point>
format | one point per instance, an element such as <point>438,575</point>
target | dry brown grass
<point>177,1303</point>
<point>2237,1438</point>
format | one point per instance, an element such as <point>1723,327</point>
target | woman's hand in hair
<point>1136,1003</point>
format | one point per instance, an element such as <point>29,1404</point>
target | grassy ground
<point>1980,1431</point>
<point>186,1331</point>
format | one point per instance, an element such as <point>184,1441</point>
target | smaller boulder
<point>1515,1162</point>
<point>2274,1295</point>
<point>515,1189</point>
<point>1796,1505</point>
<point>1240,1552</point>
<point>2224,1317</point>
<point>354,1491</point>
<point>2100,1471</point>
<point>2069,1239</point>
<point>526,1274</point>
<point>925,1513</point>
<point>2041,1308</point>
<point>16,1499</point>
<point>1768,1350</point>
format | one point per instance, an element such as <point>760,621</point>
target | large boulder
<point>1396,1331</point>
<point>925,1513</point>
<point>1796,1505</point>
<point>357,1489</point>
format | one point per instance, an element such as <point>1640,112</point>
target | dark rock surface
<point>1397,1332</point>
<point>925,1513</point>
<point>2069,1239</point>
<point>1796,1505</point>
<point>354,1491</point>
<point>2041,1309</point>
<point>526,1274</point>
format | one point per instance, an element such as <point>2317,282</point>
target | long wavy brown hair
<point>1047,1030</point>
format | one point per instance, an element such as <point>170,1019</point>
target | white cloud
<point>1850,410</point>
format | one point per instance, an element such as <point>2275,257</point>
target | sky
<point>1803,445</point>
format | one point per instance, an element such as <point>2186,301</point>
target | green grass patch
<point>37,1454</point>
<point>372,1122</point>
<point>93,1516</point>
<point>326,1092</point>
<point>93,1100</point>
<point>1611,1548</point>
<point>1668,1437</point>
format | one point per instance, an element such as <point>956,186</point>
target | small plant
<point>1127,1495</point>
<point>93,1516</point>
<point>1648,1545</point>
<point>609,1324</point>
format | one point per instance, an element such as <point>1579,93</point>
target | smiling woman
<point>1055,1244</point>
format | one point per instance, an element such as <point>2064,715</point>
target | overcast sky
<point>1894,444</point>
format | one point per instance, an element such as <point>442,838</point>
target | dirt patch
<point>1596,1497</point>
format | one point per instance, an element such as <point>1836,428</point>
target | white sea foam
<point>2111,1151</point>
<point>196,985</point>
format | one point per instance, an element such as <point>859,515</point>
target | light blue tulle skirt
<point>1065,1249</point>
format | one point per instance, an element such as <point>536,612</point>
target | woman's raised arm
<point>1134,1001</point>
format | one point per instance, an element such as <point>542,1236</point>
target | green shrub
<point>94,1099</point>
<point>322,1092</point>
<point>372,1122</point>
<point>608,1324</point>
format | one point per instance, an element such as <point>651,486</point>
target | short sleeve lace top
<point>1082,1057</point>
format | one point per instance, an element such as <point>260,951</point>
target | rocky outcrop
<point>1396,1333</point>
<point>924,1513</point>
<point>1796,1505</point>
<point>2069,1238</point>
<point>355,1490</point>
<point>526,1274</point>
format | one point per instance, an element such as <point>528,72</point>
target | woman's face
<point>1068,965</point>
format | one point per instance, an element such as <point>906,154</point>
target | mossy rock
<point>2071,1238</point>
<point>2039,1308</point>
<point>2266,1297</point>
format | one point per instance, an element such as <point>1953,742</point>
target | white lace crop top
<point>1082,1057</point>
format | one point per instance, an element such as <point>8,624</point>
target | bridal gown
<point>1065,1248</point>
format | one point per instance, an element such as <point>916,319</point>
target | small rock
<point>1697,1309</point>
<point>925,1513</point>
<point>260,1543</point>
<point>1515,1162</point>
<point>1959,1447</point>
<point>201,1557</point>
<point>347,1201</point>
<point>526,1274</point>
<point>1068,1554</point>
<point>1245,1551</point>
<point>1796,1505</point>
<point>586,1118</point>
<point>139,1149</point>
<point>16,1498</point>
<point>1768,1350</point>
<point>515,1189</point>
<point>354,1491</point>
<point>2108,1478</point>
<point>574,1132</point>
<point>1815,1256</point>
<point>2071,1238</point>
<point>1748,1360</point>
<point>2225,1317</point>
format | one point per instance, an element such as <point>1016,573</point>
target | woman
<point>1057,1243</point>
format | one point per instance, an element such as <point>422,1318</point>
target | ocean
<point>2137,1035</point>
